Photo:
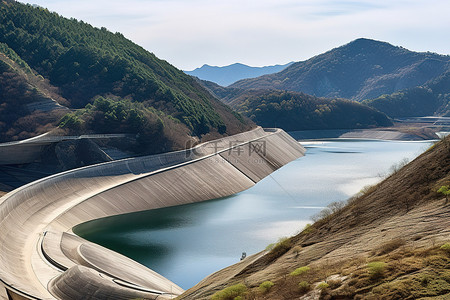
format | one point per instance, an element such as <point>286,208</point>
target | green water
<point>186,243</point>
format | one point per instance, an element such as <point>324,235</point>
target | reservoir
<point>187,243</point>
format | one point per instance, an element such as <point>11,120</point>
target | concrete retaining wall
<point>40,257</point>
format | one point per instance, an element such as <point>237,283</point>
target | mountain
<point>361,69</point>
<point>391,241</point>
<point>298,111</point>
<point>27,105</point>
<point>433,98</point>
<point>228,74</point>
<point>85,64</point>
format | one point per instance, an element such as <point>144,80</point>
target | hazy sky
<point>190,33</point>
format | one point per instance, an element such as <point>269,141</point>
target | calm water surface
<point>186,243</point>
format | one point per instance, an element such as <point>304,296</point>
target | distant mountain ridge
<point>227,75</point>
<point>361,69</point>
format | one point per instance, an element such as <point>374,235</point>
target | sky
<point>190,33</point>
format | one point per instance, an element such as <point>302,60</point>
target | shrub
<point>230,293</point>
<point>266,286</point>
<point>322,286</point>
<point>300,271</point>
<point>321,215</point>
<point>331,208</point>
<point>376,269</point>
<point>397,166</point>
<point>336,206</point>
<point>71,121</point>
<point>297,249</point>
<point>270,247</point>
<point>367,189</point>
<point>446,248</point>
<point>308,229</point>
<point>282,246</point>
<point>304,287</point>
<point>444,190</point>
<point>282,243</point>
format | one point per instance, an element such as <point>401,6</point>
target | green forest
<point>124,116</point>
<point>429,99</point>
<point>297,111</point>
<point>84,62</point>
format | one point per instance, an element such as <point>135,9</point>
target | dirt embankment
<point>400,224</point>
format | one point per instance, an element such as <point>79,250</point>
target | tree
<point>444,190</point>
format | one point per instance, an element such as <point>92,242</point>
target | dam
<point>41,258</point>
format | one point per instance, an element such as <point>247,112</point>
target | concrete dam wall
<point>41,258</point>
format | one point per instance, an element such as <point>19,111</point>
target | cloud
<point>189,33</point>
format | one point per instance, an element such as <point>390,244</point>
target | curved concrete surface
<point>40,257</point>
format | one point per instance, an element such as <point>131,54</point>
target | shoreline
<point>394,134</point>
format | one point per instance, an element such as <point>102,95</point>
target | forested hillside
<point>27,107</point>
<point>361,69</point>
<point>297,111</point>
<point>429,99</point>
<point>85,62</point>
